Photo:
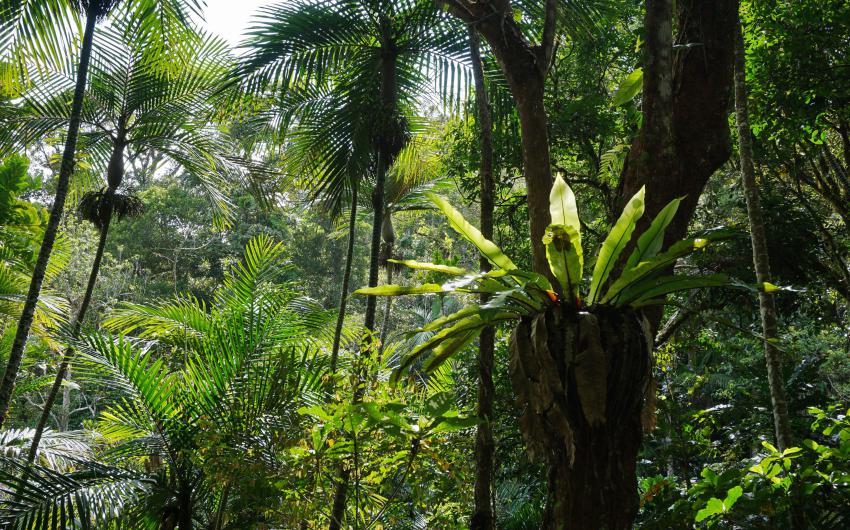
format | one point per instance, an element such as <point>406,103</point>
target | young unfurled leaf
<point>564,259</point>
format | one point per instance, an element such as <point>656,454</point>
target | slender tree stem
<point>346,279</point>
<point>483,517</point>
<point>761,261</point>
<point>25,322</point>
<point>78,322</point>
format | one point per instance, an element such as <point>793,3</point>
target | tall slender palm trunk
<point>761,262</point>
<point>25,322</point>
<point>346,279</point>
<point>78,322</point>
<point>483,517</point>
<point>386,143</point>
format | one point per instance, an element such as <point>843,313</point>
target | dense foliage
<point>220,340</point>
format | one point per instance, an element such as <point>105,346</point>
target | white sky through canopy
<point>231,18</point>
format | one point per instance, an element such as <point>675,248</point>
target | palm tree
<point>134,106</point>
<point>21,229</point>
<point>376,54</point>
<point>483,517</point>
<point>38,29</point>
<point>246,365</point>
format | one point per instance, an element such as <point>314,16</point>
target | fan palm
<point>134,106</point>
<point>39,31</point>
<point>244,366</point>
<point>371,59</point>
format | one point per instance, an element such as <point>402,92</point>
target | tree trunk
<point>761,261</point>
<point>388,236</point>
<point>702,89</point>
<point>346,279</point>
<point>483,517</point>
<point>388,147</point>
<point>67,167</point>
<point>78,322</point>
<point>184,505</point>
<point>579,380</point>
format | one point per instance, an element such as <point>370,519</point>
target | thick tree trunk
<point>483,517</point>
<point>78,322</point>
<point>761,262</point>
<point>346,279</point>
<point>67,167</point>
<point>701,96</point>
<point>579,380</point>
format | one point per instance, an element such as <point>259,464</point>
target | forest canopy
<point>406,264</point>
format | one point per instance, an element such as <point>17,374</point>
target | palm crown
<point>134,104</point>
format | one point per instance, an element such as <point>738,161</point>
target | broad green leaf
<point>565,260</point>
<point>400,290</point>
<point>447,348</point>
<point>614,244</point>
<point>470,325</point>
<point>645,270</point>
<point>732,496</point>
<point>563,211</point>
<point>768,287</point>
<point>649,243</point>
<point>631,87</point>
<point>713,507</point>
<point>434,267</point>
<point>660,287</point>
<point>457,315</point>
<point>472,234</point>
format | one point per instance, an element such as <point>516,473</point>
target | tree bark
<point>483,517</point>
<point>346,279</point>
<point>702,67</point>
<point>579,380</point>
<point>78,322</point>
<point>525,67</point>
<point>184,504</point>
<point>16,354</point>
<point>761,261</point>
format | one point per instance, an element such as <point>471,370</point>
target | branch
<point>547,42</point>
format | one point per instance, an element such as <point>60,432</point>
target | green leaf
<point>464,327</point>
<point>732,497</point>
<point>645,270</point>
<point>563,209</point>
<point>665,285</point>
<point>713,507</point>
<point>565,261</point>
<point>614,244</point>
<point>563,238</point>
<point>433,267</point>
<point>768,287</point>
<point>631,87</point>
<point>400,290</point>
<point>472,234</point>
<point>650,242</point>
